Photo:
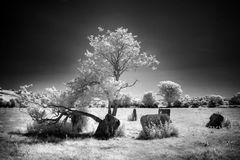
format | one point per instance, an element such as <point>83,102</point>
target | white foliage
<point>148,99</point>
<point>118,51</point>
<point>170,91</point>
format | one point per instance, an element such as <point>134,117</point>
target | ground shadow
<point>33,138</point>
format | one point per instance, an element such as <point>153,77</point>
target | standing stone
<point>215,121</point>
<point>107,127</point>
<point>164,111</point>
<point>134,114</point>
<point>148,121</point>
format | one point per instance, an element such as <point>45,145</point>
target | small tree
<point>125,100</point>
<point>148,99</point>
<point>235,100</point>
<point>215,100</point>
<point>170,91</point>
<point>177,103</point>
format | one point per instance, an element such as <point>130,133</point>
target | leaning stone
<point>107,127</point>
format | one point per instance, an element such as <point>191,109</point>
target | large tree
<point>116,52</point>
<point>98,77</point>
<point>53,106</point>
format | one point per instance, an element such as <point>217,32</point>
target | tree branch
<point>97,119</point>
<point>70,111</point>
<point>127,85</point>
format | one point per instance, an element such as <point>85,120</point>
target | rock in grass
<point>107,127</point>
<point>216,121</point>
<point>164,111</point>
<point>147,121</point>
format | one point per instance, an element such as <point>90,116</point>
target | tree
<point>215,100</point>
<point>116,52</point>
<point>148,99</point>
<point>235,100</point>
<point>53,106</point>
<point>125,100</point>
<point>113,53</point>
<point>170,91</point>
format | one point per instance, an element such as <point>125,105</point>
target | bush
<point>186,105</point>
<point>80,121</point>
<point>12,103</point>
<point>161,131</point>
<point>195,104</point>
<point>177,103</point>
<point>36,113</point>
<point>148,100</point>
<point>215,100</point>
<point>52,132</point>
<point>125,101</point>
<point>235,100</point>
<point>8,104</point>
<point>226,123</point>
<point>136,102</point>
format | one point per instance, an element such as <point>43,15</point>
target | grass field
<point>195,141</point>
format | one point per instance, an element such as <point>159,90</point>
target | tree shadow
<point>33,138</point>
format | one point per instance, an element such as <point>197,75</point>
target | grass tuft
<point>227,123</point>
<point>131,117</point>
<point>120,132</point>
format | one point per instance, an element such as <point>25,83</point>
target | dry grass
<point>120,132</point>
<point>159,131</point>
<point>195,141</point>
<point>130,117</point>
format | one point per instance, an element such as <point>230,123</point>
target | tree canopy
<point>170,91</point>
<point>115,52</point>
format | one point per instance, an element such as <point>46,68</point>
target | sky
<point>196,42</point>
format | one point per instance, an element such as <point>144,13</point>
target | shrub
<point>12,103</point>
<point>226,123</point>
<point>8,104</point>
<point>235,100</point>
<point>125,101</point>
<point>185,104</point>
<point>36,113</point>
<point>80,122</point>
<point>148,100</point>
<point>195,104</point>
<point>1,102</point>
<point>161,131</point>
<point>177,103</point>
<point>215,100</point>
<point>48,132</point>
<point>136,102</point>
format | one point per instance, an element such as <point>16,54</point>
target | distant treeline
<point>9,104</point>
<point>149,101</point>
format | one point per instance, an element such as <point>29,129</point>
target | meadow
<point>195,141</point>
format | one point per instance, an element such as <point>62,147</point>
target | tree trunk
<point>117,78</point>
<point>107,127</point>
<point>169,105</point>
<point>109,107</point>
<point>115,107</point>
